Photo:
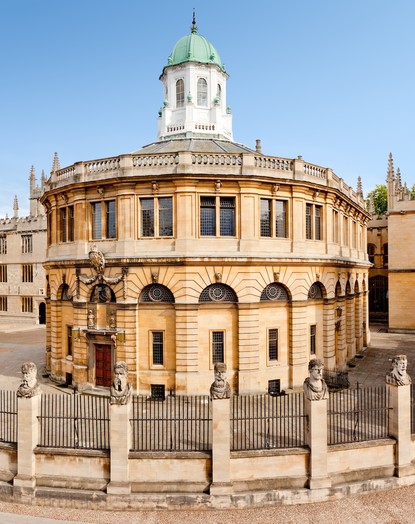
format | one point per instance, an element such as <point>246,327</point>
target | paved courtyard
<point>19,344</point>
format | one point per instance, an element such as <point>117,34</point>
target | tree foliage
<point>380,199</point>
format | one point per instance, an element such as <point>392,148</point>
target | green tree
<point>380,199</point>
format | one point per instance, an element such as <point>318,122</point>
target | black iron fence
<point>267,422</point>
<point>412,409</point>
<point>356,415</point>
<point>181,423</point>
<point>74,421</point>
<point>8,416</point>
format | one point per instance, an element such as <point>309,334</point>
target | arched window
<point>316,291</point>
<point>219,92</point>
<point>202,98</point>
<point>156,293</point>
<point>179,93</point>
<point>274,292</point>
<point>218,293</point>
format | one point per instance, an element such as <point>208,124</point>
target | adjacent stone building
<point>22,253</point>
<point>196,249</point>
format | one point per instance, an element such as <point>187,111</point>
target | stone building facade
<point>22,253</point>
<point>196,249</point>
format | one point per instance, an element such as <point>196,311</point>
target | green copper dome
<point>195,48</point>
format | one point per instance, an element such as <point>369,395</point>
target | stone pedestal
<point>221,443</point>
<point>120,439</point>
<point>400,427</point>
<point>27,440</point>
<point>316,435</point>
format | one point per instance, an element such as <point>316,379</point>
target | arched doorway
<point>42,313</point>
<point>378,297</point>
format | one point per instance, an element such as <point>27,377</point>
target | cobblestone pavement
<point>396,506</point>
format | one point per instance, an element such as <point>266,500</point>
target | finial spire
<point>15,207</point>
<point>359,187</point>
<point>391,171</point>
<point>194,26</point>
<point>55,165</point>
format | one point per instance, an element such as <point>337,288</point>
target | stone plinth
<point>400,427</point>
<point>120,439</point>
<point>27,440</point>
<point>316,435</point>
<point>221,454</point>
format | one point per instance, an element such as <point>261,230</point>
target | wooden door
<point>103,365</point>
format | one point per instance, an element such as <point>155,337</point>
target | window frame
<point>161,363</point>
<point>220,218</point>
<point>101,217</point>
<point>314,221</point>
<point>160,218</point>
<point>27,243</point>
<point>313,338</point>
<point>3,273</point>
<point>202,92</point>
<point>272,358</point>
<point>272,222</point>
<point>179,93</point>
<point>213,350</point>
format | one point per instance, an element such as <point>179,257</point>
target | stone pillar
<point>249,380</point>
<point>329,334</point>
<point>27,440</point>
<point>187,347</point>
<point>299,343</point>
<point>316,436</point>
<point>400,427</point>
<point>221,447</point>
<point>120,442</point>
<point>350,330</point>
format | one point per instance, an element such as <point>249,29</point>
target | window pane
<point>207,216</point>
<point>179,93</point>
<point>227,217</point>
<point>166,217</point>
<point>157,347</point>
<point>62,228</point>
<point>96,220</point>
<point>147,217</point>
<point>308,221</point>
<point>111,222</point>
<point>202,92</point>
<point>313,339</point>
<point>273,344</point>
<point>217,346</point>
<point>265,217</point>
<point>71,224</point>
<point>281,218</point>
<point>317,223</point>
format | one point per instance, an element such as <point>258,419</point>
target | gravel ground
<point>387,507</point>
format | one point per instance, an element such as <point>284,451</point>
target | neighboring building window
<point>313,329</point>
<point>3,303</point>
<point>274,386</point>
<point>218,346</point>
<point>179,93</point>
<point>3,245</point>
<point>385,255</point>
<point>156,217</point>
<point>273,344</point>
<point>27,273</point>
<point>202,95</point>
<point>27,305</point>
<point>3,273</point>
<point>157,348</point>
<point>313,217</point>
<point>69,340</point>
<point>214,211</point>
<point>27,244</point>
<point>103,220</point>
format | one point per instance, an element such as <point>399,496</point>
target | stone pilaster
<point>400,427</point>
<point>27,440</point>
<point>187,347</point>
<point>221,442</point>
<point>249,380</point>
<point>299,343</point>
<point>341,350</point>
<point>329,334</point>
<point>316,435</point>
<point>120,441</point>
<point>350,329</point>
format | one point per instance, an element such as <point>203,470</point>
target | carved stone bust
<point>315,388</point>
<point>398,375</point>
<point>120,390</point>
<point>29,386</point>
<point>220,388</point>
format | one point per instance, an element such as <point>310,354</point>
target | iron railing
<point>74,421</point>
<point>412,409</point>
<point>360,414</point>
<point>181,423</point>
<point>267,422</point>
<point>8,416</point>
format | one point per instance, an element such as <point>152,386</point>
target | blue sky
<point>331,80</point>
